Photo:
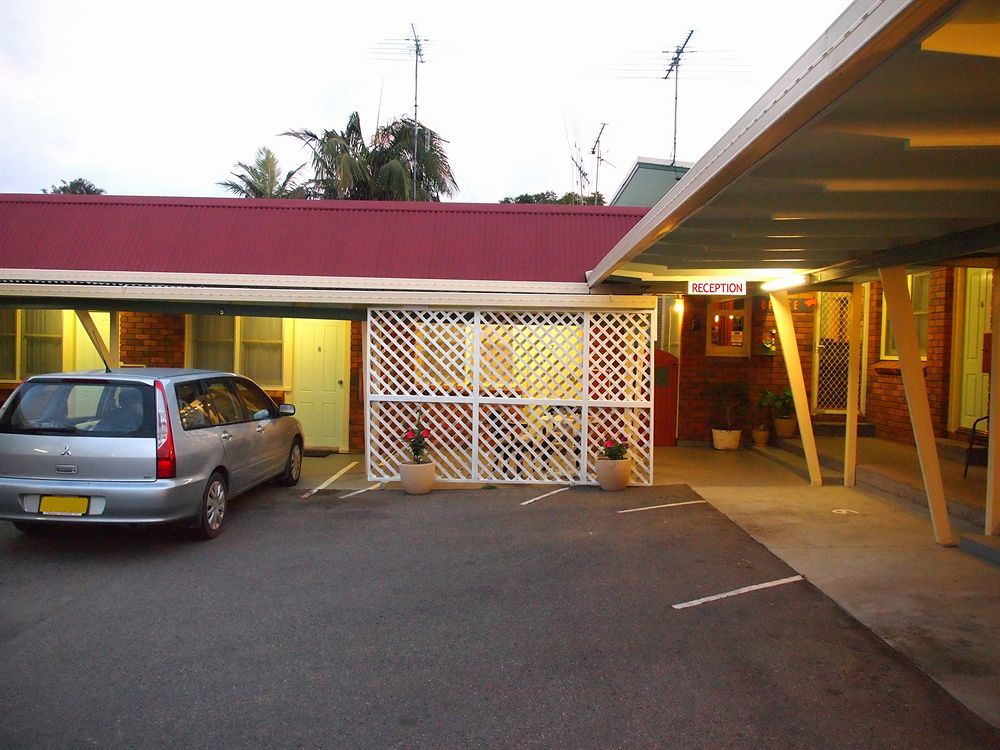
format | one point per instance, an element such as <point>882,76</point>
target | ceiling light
<point>783,282</point>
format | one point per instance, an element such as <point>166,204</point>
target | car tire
<point>29,527</point>
<point>212,513</point>
<point>293,466</point>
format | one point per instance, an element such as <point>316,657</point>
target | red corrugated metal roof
<point>309,238</point>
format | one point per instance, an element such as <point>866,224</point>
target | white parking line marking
<point>561,489</point>
<point>744,590</point>
<point>669,505</point>
<point>358,492</point>
<point>331,480</point>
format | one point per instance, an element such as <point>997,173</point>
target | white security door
<point>975,383</point>
<point>321,380</point>
<point>830,353</point>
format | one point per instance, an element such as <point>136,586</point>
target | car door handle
<point>226,436</point>
<point>260,428</point>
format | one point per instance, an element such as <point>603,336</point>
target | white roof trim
<point>294,282</point>
<point>332,298</point>
<point>790,102</point>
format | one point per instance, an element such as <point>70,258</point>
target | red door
<point>664,398</point>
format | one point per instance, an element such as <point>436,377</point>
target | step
<point>984,547</point>
<point>796,463</point>
<point>837,429</point>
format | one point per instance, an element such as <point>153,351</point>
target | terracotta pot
<point>726,440</point>
<point>784,427</point>
<point>760,437</point>
<point>613,475</point>
<point>417,479</point>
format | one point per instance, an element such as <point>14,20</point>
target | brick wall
<point>356,405</point>
<point>151,339</point>
<point>760,370</point>
<point>886,400</point>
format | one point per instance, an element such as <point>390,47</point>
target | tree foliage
<point>79,186</point>
<point>263,179</point>
<point>571,199</point>
<point>348,167</point>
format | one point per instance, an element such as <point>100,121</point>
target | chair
<point>977,452</point>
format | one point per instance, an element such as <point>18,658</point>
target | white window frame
<point>917,313</point>
<point>66,351</point>
<point>286,338</point>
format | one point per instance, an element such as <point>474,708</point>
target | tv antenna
<point>596,151</point>
<point>418,57</point>
<point>674,68</point>
<point>581,176</point>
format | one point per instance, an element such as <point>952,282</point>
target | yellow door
<point>320,381</point>
<point>975,383</point>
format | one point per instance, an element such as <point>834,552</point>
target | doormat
<point>316,452</point>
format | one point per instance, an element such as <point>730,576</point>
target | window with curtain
<point>250,346</point>
<point>920,285</point>
<point>213,342</point>
<point>261,350</point>
<point>8,344</point>
<point>41,341</point>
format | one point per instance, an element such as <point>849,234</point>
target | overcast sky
<point>147,98</point>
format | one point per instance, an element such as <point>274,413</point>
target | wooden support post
<point>95,338</point>
<point>854,337</point>
<point>993,463</point>
<point>793,365</point>
<point>897,299</point>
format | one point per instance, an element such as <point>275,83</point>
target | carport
<point>477,318</point>
<point>876,154</point>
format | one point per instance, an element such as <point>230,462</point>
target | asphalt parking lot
<point>464,618</point>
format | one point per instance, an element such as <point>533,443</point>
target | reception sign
<point>718,286</point>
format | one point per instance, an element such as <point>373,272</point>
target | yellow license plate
<point>64,505</point>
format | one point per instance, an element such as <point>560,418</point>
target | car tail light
<point>166,459</point>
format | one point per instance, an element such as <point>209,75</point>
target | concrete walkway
<point>873,555</point>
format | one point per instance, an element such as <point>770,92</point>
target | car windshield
<point>100,409</point>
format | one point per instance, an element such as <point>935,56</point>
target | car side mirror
<point>286,410</point>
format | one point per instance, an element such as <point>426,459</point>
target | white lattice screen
<point>510,396</point>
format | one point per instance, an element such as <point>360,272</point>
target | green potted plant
<point>614,466</point>
<point>730,404</point>
<point>417,476</point>
<point>761,430</point>
<point>783,407</point>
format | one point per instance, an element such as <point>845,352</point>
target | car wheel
<point>293,466</point>
<point>213,508</point>
<point>29,527</point>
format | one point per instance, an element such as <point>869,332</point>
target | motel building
<point>840,239</point>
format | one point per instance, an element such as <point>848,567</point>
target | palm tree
<point>263,179</point>
<point>348,168</point>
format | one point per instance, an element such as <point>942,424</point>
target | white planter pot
<point>726,440</point>
<point>417,479</point>
<point>613,475</point>
<point>784,427</point>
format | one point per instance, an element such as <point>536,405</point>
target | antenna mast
<point>418,57</point>
<point>674,68</point>
<point>596,151</point>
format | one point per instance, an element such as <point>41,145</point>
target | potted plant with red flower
<point>417,475</point>
<point>614,466</point>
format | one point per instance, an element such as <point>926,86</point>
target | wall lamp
<point>785,282</point>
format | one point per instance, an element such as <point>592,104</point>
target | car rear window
<point>81,408</point>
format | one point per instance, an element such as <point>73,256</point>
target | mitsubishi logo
<point>66,452</point>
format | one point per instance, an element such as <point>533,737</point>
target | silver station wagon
<point>140,445</point>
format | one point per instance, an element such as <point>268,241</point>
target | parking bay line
<point>735,592</point>
<point>331,480</point>
<point>547,494</point>
<point>358,492</point>
<point>668,505</point>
